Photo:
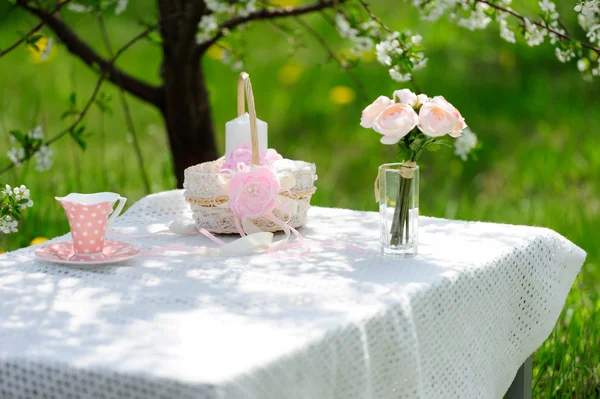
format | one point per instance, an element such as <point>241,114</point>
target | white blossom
<point>362,44</point>
<point>237,65</point>
<point>534,36</point>
<point>564,55</point>
<point>582,65</point>
<point>477,20</point>
<point>388,48</point>
<point>371,27</point>
<point>8,225</point>
<point>16,155</point>
<point>121,6</point>
<point>79,8</point>
<point>247,8</point>
<point>36,134</point>
<point>419,64</point>
<point>206,28</point>
<point>43,158</point>
<point>398,76</point>
<point>344,28</point>
<point>465,143</point>
<point>549,8</point>
<point>433,10</point>
<point>506,33</point>
<point>217,6</point>
<point>416,40</point>
<point>596,71</point>
<point>589,19</point>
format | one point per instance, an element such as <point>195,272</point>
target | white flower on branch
<point>79,8</point>
<point>477,20</point>
<point>121,6</point>
<point>582,65</point>
<point>564,55</point>
<point>36,134</point>
<point>12,202</point>
<point>398,76</point>
<point>43,158</point>
<point>361,43</point>
<point>237,66</point>
<point>344,28</point>
<point>589,19</point>
<point>506,33</point>
<point>8,225</point>
<point>549,9</point>
<point>534,36</point>
<point>465,143</point>
<point>217,6</point>
<point>247,8</point>
<point>206,28</point>
<point>419,64</point>
<point>433,10</point>
<point>388,49</point>
<point>416,40</point>
<point>16,155</point>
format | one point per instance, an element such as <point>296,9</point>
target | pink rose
<point>253,192</point>
<point>438,117</point>
<point>243,155</point>
<point>372,111</point>
<point>395,122</point>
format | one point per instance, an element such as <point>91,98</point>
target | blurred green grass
<point>537,119</point>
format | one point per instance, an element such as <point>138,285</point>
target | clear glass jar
<point>399,208</point>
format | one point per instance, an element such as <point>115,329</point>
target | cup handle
<point>117,212</point>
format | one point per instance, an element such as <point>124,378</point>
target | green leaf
<point>77,135</point>
<point>20,137</point>
<point>443,143</point>
<point>416,144</point>
<point>16,215</point>
<point>33,39</point>
<point>73,98</point>
<point>68,113</point>
<point>4,211</point>
<point>433,147</point>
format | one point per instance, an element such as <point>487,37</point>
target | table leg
<point>521,385</point>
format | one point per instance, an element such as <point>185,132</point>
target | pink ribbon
<point>279,249</point>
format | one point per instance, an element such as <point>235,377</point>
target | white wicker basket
<point>208,198</point>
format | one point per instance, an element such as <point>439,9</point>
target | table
<point>455,322</point>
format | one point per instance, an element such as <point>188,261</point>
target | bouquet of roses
<point>414,123</point>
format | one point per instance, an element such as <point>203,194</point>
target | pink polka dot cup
<point>89,216</point>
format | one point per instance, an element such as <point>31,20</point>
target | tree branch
<point>142,90</point>
<point>563,36</point>
<point>32,31</point>
<point>21,40</point>
<point>88,105</point>
<point>263,14</point>
<point>344,65</point>
<point>373,16</point>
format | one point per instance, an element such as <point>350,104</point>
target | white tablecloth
<point>455,322</point>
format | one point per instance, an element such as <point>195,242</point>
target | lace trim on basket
<point>216,201</point>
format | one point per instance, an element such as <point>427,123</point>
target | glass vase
<point>399,208</point>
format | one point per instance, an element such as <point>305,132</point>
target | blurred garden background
<point>537,120</point>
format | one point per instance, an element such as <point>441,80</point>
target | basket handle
<point>244,89</point>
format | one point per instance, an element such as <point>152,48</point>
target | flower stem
<point>396,230</point>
